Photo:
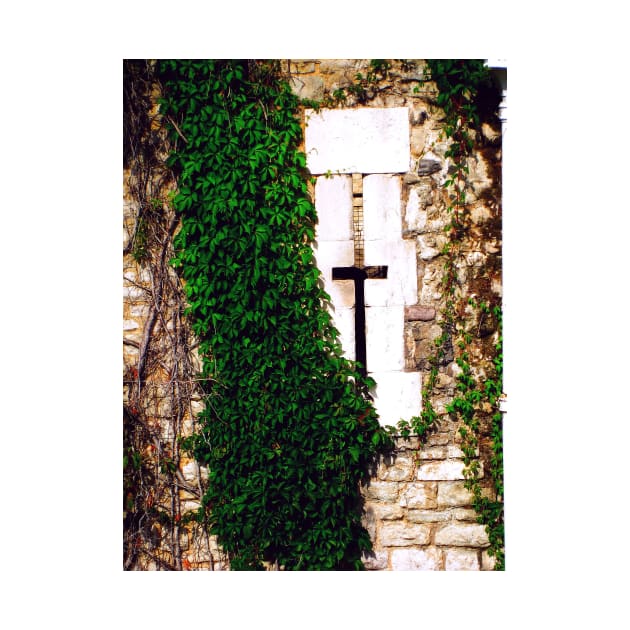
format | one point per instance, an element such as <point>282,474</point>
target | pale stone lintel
<point>360,140</point>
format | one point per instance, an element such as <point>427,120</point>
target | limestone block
<point>401,534</point>
<point>455,451</point>
<point>464,514</point>
<point>415,216</point>
<point>189,471</point>
<point>461,560</point>
<point>309,87</point>
<point>397,395</point>
<point>359,140</point>
<point>400,469</point>
<point>384,329</point>
<point>441,470</point>
<point>387,511</point>
<point>427,516</point>
<point>132,292</point>
<point>130,324</point>
<point>381,207</point>
<point>329,254</point>
<point>462,535</point>
<point>401,285</point>
<point>416,559</point>
<point>433,452</point>
<point>375,560</point>
<point>419,495</point>
<point>343,321</point>
<point>428,247</point>
<point>333,203</point>
<point>382,491</point>
<point>487,561</point>
<point>139,310</point>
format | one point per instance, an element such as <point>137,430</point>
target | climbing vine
<point>288,429</point>
<point>160,380</point>
<point>460,83</point>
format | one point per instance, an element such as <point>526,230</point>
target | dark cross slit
<point>359,275</point>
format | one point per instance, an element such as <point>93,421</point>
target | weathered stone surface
<point>453,493</point>
<point>400,469</point>
<point>410,205</point>
<point>464,514</point>
<point>418,313</point>
<point>488,562</point>
<point>387,511</point>
<point>428,516</point>
<point>427,167</point>
<point>433,452</point>
<point>401,534</point>
<point>382,490</point>
<point>361,140</point>
<point>419,495</point>
<point>462,535</point>
<point>190,470</point>
<point>416,559</point>
<point>375,560</point>
<point>302,66</point>
<point>309,87</point>
<point>442,470</point>
<point>461,560</point>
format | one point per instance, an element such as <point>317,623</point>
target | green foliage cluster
<point>288,429</point>
<point>462,84</point>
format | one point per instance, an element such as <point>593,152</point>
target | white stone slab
<point>381,207</point>
<point>401,285</point>
<point>362,140</point>
<point>384,331</point>
<point>329,254</point>
<point>333,203</point>
<point>343,320</point>
<point>397,395</point>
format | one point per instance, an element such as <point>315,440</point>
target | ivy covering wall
<point>288,429</point>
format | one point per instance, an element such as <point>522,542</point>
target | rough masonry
<point>385,152</point>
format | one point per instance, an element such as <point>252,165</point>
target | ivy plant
<point>289,429</point>
<point>463,86</point>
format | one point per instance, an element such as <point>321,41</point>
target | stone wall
<point>417,510</point>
